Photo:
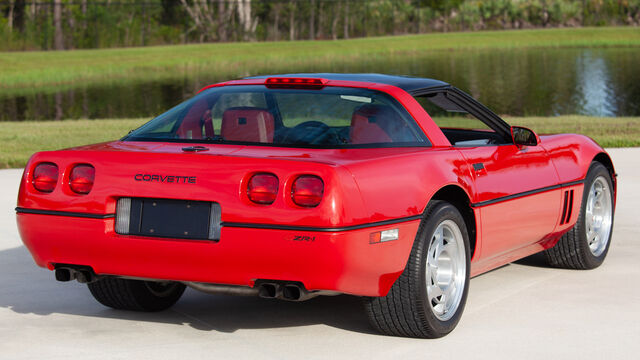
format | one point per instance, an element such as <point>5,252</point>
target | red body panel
<point>339,261</point>
<point>516,200</point>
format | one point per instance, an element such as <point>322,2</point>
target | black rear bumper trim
<point>21,210</point>
<point>320,229</point>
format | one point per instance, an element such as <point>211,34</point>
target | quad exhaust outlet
<point>268,289</point>
<point>82,274</point>
<point>285,291</point>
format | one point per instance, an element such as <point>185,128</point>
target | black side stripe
<point>526,193</point>
<point>20,210</point>
<point>321,229</point>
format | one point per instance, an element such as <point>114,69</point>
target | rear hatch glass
<point>332,117</point>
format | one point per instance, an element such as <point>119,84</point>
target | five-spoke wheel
<point>586,244</point>
<point>429,297</point>
<point>446,270</point>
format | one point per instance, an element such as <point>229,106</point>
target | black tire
<point>136,295</point>
<point>406,310</point>
<point>572,250</point>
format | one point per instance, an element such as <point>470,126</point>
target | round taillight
<point>307,191</point>
<point>45,177</point>
<point>263,188</point>
<point>81,178</point>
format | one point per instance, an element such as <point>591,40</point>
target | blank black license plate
<point>170,218</point>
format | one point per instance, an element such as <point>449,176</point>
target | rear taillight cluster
<point>81,178</point>
<point>263,188</point>
<point>45,177</point>
<point>306,190</point>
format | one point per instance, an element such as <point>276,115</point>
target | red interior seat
<point>198,116</point>
<point>247,124</point>
<point>370,124</point>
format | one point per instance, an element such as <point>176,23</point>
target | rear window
<point>332,117</point>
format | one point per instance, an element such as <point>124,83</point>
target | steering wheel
<point>308,132</point>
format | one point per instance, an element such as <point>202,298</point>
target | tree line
<point>83,24</point>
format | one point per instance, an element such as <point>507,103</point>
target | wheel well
<point>458,197</point>
<point>605,160</point>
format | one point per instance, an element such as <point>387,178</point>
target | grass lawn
<point>18,140</point>
<point>21,71</point>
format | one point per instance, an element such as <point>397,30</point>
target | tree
<point>203,18</point>
<point>292,20</point>
<point>15,15</point>
<point>222,17</point>
<point>247,22</point>
<point>170,12</point>
<point>346,20</point>
<point>445,7</point>
<point>58,37</point>
<point>312,21</point>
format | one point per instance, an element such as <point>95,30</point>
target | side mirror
<point>523,136</point>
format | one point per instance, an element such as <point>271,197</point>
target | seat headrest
<point>248,124</point>
<point>370,124</point>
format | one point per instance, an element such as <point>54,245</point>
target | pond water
<point>531,82</point>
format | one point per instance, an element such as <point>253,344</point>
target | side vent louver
<point>567,208</point>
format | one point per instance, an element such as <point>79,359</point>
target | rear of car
<point>241,185</point>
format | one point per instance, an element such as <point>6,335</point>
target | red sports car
<point>392,188</point>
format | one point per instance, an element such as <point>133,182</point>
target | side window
<point>459,126</point>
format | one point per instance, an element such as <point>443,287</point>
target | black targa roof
<point>406,83</point>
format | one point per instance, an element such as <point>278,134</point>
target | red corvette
<point>392,188</point>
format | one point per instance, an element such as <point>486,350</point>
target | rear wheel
<point>586,245</point>
<point>137,295</point>
<point>428,299</point>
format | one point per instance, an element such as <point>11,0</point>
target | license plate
<point>183,219</point>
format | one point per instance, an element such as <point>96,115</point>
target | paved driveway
<point>522,310</point>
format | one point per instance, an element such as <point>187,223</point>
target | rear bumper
<point>342,261</point>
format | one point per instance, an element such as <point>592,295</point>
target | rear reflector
<point>383,236</point>
<point>295,83</point>
<point>215,217</point>
<point>81,178</point>
<point>307,191</point>
<point>123,215</point>
<point>45,177</point>
<point>263,188</point>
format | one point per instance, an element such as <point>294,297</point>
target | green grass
<point>21,71</point>
<point>18,140</point>
<point>607,131</point>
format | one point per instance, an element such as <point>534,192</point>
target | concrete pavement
<point>523,310</point>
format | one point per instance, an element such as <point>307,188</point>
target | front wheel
<point>586,245</point>
<point>428,299</point>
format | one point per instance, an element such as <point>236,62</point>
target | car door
<point>516,193</point>
<point>516,187</point>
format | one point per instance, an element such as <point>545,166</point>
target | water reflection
<point>594,91</point>
<point>542,82</point>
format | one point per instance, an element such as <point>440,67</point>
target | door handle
<point>479,169</point>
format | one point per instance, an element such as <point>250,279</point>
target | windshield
<point>331,117</point>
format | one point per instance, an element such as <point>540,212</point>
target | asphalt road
<point>523,310</point>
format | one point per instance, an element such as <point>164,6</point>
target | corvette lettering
<point>166,178</point>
